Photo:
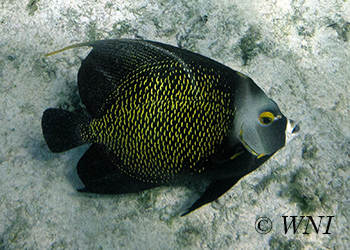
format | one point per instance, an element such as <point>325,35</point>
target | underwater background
<point>297,51</point>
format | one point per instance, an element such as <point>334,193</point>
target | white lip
<point>292,130</point>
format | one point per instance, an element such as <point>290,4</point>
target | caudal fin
<point>61,130</point>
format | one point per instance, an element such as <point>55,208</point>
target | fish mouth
<point>292,130</point>
<point>250,150</point>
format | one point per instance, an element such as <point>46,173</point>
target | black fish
<point>160,115</point>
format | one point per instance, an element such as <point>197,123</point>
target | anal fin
<point>99,171</point>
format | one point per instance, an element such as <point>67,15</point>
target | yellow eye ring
<point>266,118</point>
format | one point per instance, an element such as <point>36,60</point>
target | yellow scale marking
<point>163,122</point>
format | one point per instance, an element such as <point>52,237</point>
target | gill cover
<point>259,124</point>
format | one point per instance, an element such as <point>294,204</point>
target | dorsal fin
<point>112,63</point>
<point>117,64</point>
<point>69,47</point>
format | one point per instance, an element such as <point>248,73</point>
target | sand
<point>296,51</point>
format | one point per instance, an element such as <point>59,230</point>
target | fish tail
<point>61,130</point>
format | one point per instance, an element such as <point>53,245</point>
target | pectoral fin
<point>213,191</point>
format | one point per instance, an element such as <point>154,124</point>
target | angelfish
<point>162,115</point>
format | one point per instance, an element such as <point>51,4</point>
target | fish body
<point>161,115</point>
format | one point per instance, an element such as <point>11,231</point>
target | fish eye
<point>266,118</point>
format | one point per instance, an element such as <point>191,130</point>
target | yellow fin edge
<point>70,47</point>
<point>235,155</point>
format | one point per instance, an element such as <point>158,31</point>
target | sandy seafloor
<point>297,51</point>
